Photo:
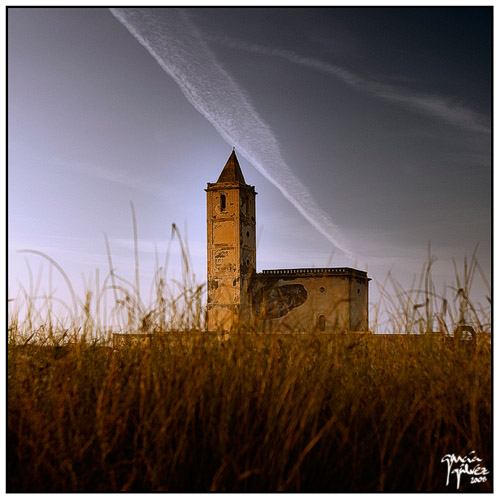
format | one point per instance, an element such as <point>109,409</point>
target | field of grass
<point>195,412</point>
<point>248,412</point>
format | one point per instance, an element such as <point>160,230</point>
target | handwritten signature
<point>465,465</point>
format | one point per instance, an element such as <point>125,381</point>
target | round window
<point>322,289</point>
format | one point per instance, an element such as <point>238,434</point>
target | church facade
<point>286,300</point>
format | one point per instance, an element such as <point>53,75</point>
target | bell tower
<point>231,248</point>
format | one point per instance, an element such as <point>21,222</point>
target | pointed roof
<point>232,171</point>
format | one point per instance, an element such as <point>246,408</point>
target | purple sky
<point>365,131</point>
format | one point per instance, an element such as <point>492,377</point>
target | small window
<point>222,202</point>
<point>321,323</point>
<point>248,234</point>
<point>322,289</point>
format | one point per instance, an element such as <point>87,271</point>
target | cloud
<point>195,249</point>
<point>431,105</point>
<point>182,52</point>
<point>120,177</point>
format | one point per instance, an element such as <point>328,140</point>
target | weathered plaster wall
<point>231,248</point>
<point>329,303</point>
<point>358,304</point>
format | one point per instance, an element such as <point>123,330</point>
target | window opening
<point>321,323</point>
<point>222,202</point>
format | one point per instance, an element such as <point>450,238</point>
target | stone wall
<point>326,300</point>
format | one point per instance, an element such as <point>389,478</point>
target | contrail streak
<point>436,106</point>
<point>181,51</point>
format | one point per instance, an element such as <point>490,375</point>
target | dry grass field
<point>196,412</point>
<point>247,413</point>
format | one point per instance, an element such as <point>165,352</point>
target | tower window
<point>321,323</point>
<point>222,202</point>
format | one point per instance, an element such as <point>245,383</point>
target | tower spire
<point>232,171</point>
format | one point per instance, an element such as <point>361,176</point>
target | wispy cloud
<point>194,248</point>
<point>432,105</point>
<point>120,177</point>
<point>180,49</point>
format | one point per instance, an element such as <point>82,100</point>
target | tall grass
<point>424,309</point>
<point>192,411</point>
<point>47,319</point>
<point>248,413</point>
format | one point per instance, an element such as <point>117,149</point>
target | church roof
<point>232,171</point>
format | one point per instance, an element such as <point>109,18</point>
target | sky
<point>366,132</point>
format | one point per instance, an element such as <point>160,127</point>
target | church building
<point>279,300</point>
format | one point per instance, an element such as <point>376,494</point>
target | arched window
<point>222,202</point>
<point>321,323</point>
